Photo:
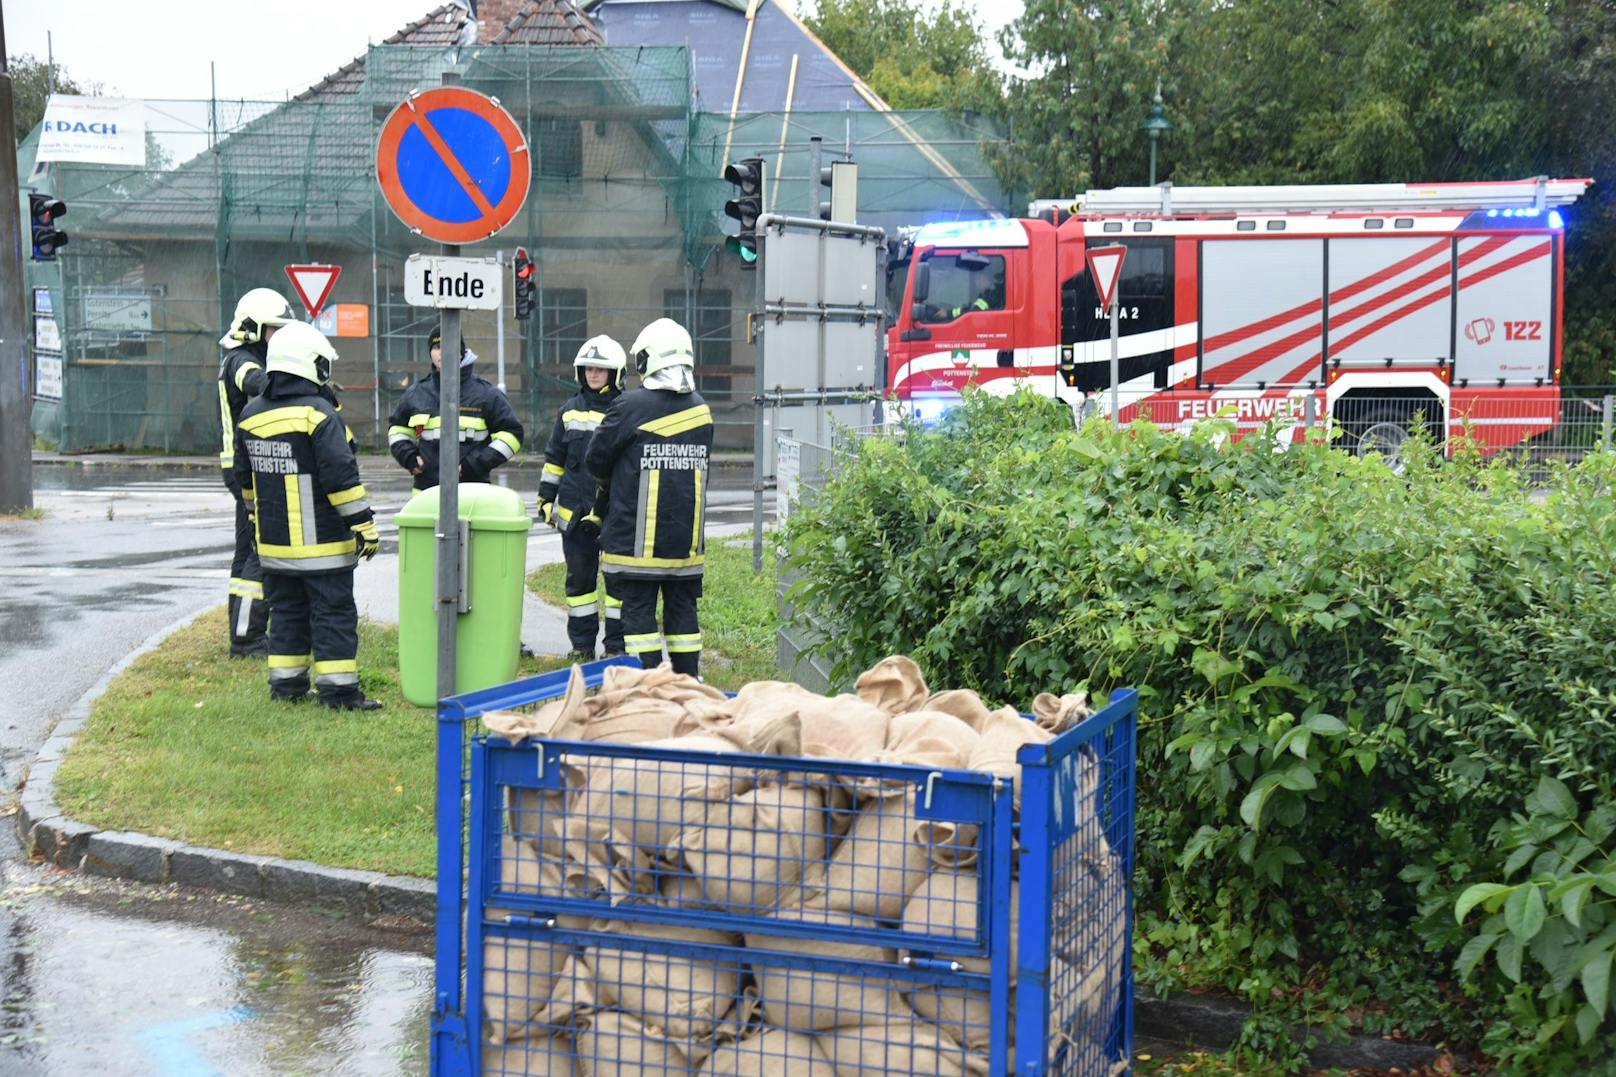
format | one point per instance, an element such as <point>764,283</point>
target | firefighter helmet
<point>302,350</point>
<point>256,311</point>
<point>605,353</point>
<point>662,344</point>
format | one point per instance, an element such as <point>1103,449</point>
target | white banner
<point>48,377</point>
<point>94,130</point>
<point>47,334</point>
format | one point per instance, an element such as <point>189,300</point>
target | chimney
<point>494,15</point>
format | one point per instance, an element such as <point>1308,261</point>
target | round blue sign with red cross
<point>453,165</point>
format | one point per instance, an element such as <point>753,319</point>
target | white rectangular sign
<point>787,474</point>
<point>48,377</point>
<point>47,334</point>
<point>459,283</point>
<point>94,130</point>
<point>117,312</point>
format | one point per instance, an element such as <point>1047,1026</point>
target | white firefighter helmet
<point>605,353</point>
<point>300,349</point>
<point>256,311</point>
<point>662,344</point>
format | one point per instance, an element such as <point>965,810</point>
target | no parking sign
<point>453,165</point>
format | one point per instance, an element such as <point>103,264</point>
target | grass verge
<point>187,745</point>
<point>737,610</point>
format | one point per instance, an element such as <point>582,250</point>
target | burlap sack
<point>613,1044</point>
<point>962,703</point>
<point>635,706</point>
<point>1002,735</point>
<point>928,739</point>
<point>1057,714</point>
<point>1091,944</point>
<point>634,720</point>
<point>909,1046</point>
<point>895,684</point>
<point>677,998</point>
<point>812,1001</point>
<point>946,905</point>
<point>879,864</point>
<point>519,979</point>
<point>554,719</point>
<point>750,849</point>
<point>551,1057</point>
<point>771,1052</point>
<point>641,804</point>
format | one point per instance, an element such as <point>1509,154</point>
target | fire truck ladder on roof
<point>1165,199</point>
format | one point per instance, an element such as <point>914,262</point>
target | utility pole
<point>16,401</point>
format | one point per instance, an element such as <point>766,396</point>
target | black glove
<point>588,527</point>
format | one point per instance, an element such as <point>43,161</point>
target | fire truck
<point>1364,305</point>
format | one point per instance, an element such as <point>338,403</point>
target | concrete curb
<point>45,831</point>
<point>1190,1020</point>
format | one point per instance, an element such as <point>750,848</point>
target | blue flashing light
<point>1555,220</point>
<point>1492,213</point>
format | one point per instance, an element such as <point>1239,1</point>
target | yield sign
<point>313,284</point>
<point>1105,266</point>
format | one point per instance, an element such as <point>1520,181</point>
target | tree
<point>30,90</point>
<point>913,57</point>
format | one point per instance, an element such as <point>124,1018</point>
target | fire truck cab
<point>1365,304</point>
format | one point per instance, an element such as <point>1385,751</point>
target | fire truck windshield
<point>962,283</point>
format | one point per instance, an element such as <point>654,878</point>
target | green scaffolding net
<point>624,221</point>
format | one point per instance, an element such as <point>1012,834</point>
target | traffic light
<point>44,211</point>
<point>745,207</point>
<point>526,271</point>
<point>841,177</point>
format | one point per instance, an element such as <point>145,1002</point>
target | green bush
<point>1353,684</point>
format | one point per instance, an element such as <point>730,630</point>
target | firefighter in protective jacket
<point>651,455</point>
<point>241,377</point>
<point>313,519</point>
<point>490,433</point>
<point>567,492</point>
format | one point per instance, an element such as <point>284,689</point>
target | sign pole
<point>1115,412</point>
<point>16,387</point>
<point>449,582</point>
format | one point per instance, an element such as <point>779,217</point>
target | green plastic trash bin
<point>489,636</point>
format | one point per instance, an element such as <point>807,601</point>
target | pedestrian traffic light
<point>840,201</point>
<point>44,211</point>
<point>745,207</point>
<point>526,284</point>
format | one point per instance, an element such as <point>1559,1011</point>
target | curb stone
<point>49,834</point>
<point>1194,1021</point>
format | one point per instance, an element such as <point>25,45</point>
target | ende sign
<point>458,283</point>
<point>93,130</point>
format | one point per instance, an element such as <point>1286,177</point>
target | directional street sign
<point>461,283</point>
<point>313,284</point>
<point>1105,266</point>
<point>453,165</point>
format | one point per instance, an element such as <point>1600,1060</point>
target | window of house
<point>561,148</point>
<point>709,319</point>
<point>563,325</point>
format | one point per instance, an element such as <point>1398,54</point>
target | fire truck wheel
<point>1384,431</point>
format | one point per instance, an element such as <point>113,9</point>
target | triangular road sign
<point>313,284</point>
<point>1105,266</point>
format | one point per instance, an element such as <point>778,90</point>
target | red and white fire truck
<point>1377,301</point>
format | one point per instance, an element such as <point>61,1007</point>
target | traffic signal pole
<point>16,400</point>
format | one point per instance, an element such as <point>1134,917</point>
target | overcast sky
<point>263,49</point>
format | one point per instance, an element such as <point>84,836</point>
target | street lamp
<point>1155,125</point>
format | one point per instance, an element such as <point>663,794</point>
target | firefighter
<point>650,457</point>
<point>567,492</point>
<point>313,519</point>
<point>241,377</point>
<point>490,433</point>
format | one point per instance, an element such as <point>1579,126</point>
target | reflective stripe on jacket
<point>490,433</point>
<point>566,480</point>
<point>241,377</point>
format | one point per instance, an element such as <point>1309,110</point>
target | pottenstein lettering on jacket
<point>271,457</point>
<point>672,456</point>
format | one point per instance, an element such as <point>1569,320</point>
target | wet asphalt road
<point>110,978</point>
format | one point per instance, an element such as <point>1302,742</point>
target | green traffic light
<point>747,251</point>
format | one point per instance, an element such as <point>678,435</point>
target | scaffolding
<point>624,222</point>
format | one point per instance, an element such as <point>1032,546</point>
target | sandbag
<point>551,1057</point>
<point>1057,714</point>
<point>750,849</point>
<point>946,905</point>
<point>1002,735</point>
<point>812,1001</point>
<point>554,719</point>
<point>771,1052</point>
<point>910,1046</point>
<point>879,864</point>
<point>928,739</point>
<point>962,703</point>
<point>519,978</point>
<point>678,998</point>
<point>895,684</point>
<point>643,803</point>
<point>612,1044</point>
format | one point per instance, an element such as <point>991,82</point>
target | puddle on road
<point>99,976</point>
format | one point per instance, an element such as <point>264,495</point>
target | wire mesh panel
<point>687,907</point>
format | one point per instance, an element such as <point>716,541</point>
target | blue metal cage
<point>613,908</point>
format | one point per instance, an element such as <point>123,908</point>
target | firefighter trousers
<point>249,613</point>
<point>313,622</point>
<point>681,631</point>
<point>588,597</point>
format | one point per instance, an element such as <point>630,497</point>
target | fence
<point>624,222</point>
<point>609,908</point>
